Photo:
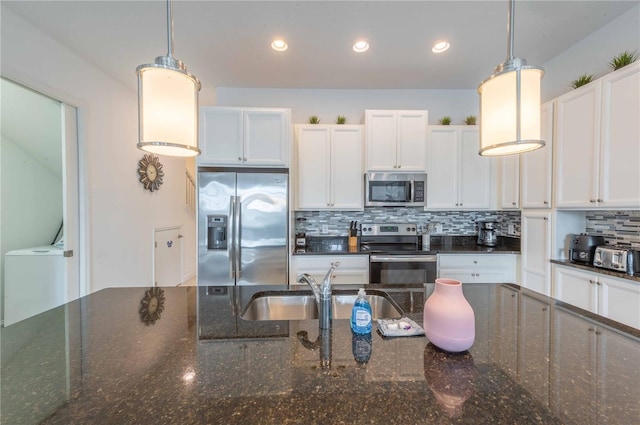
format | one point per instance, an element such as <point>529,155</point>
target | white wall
<point>592,54</point>
<point>120,215</point>
<point>328,104</point>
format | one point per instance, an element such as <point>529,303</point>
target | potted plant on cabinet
<point>623,59</point>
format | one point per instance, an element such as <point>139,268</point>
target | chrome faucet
<point>322,293</point>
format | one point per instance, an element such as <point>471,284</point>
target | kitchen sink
<point>290,305</point>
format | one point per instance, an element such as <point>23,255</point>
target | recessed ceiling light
<point>279,45</point>
<point>361,46</point>
<point>440,46</point>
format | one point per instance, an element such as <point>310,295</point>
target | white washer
<point>33,282</point>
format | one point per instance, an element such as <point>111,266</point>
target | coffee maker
<point>487,235</point>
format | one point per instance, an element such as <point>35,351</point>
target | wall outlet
<point>438,228</point>
<point>511,229</point>
<point>325,228</point>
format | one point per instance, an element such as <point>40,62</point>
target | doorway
<point>39,199</point>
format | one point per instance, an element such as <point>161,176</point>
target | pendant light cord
<point>510,20</point>
<point>170,28</point>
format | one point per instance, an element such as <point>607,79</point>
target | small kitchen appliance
<point>582,247</point>
<point>616,258</point>
<point>487,235</point>
<point>395,190</point>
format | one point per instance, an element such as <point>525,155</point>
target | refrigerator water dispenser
<point>217,232</point>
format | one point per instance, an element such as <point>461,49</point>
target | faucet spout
<point>322,294</point>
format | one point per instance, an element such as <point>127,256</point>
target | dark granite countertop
<point>93,361</point>
<point>590,268</point>
<point>338,245</point>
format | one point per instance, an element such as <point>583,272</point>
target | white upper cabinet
<point>395,140</point>
<point>256,137</point>
<point>510,182</point>
<point>330,167</point>
<point>458,178</point>
<point>597,146</point>
<point>536,166</point>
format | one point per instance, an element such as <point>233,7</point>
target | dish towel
<point>399,327</point>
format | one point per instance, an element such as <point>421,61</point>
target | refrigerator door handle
<point>232,231</point>
<point>239,246</point>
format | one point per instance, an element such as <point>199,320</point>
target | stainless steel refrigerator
<point>242,227</point>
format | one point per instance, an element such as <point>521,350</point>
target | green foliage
<point>313,119</point>
<point>446,120</point>
<point>470,120</point>
<point>582,80</point>
<point>341,119</point>
<point>623,59</point>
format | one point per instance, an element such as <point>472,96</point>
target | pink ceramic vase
<point>449,321</point>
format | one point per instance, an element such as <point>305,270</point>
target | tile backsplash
<point>453,222</point>
<point>618,227</point>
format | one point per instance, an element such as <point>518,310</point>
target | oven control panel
<point>389,229</point>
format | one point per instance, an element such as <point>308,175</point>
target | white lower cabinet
<point>353,270</point>
<point>615,298</point>
<point>484,268</point>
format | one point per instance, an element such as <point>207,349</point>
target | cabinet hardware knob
<point>545,218</point>
<point>591,330</point>
<point>544,308</point>
<point>598,283</point>
<point>244,159</point>
<point>513,203</point>
<point>399,166</point>
<point>598,332</point>
<point>591,281</point>
<point>546,203</point>
<point>460,203</point>
<point>239,158</point>
<point>475,261</point>
<point>600,200</point>
<point>593,201</point>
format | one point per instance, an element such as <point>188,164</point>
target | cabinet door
<point>619,144</point>
<point>575,287</point>
<point>536,252</point>
<point>510,182</point>
<point>265,137</point>
<point>380,136</point>
<point>533,348</point>
<point>475,172</point>
<point>577,135</point>
<point>535,172</point>
<point>346,168</point>
<point>442,173</point>
<point>221,135</point>
<point>619,300</point>
<point>314,150</point>
<point>411,140</point>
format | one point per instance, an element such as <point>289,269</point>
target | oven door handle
<point>402,259</point>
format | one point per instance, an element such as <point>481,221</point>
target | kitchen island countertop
<point>106,359</point>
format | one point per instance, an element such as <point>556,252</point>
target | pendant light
<point>510,104</point>
<point>168,104</point>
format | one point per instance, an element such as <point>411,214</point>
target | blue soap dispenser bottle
<point>361,314</point>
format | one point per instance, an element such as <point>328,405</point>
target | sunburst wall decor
<point>150,171</point>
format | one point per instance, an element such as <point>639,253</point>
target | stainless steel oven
<point>399,269</point>
<point>394,257</point>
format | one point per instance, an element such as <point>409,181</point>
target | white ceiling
<point>226,43</point>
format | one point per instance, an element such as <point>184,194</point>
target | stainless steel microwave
<point>395,190</point>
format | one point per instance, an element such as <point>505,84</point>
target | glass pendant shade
<point>167,111</point>
<point>510,112</point>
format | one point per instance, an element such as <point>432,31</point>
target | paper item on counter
<point>399,327</point>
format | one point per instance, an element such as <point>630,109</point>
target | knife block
<point>353,241</point>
